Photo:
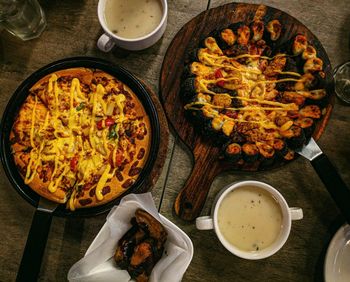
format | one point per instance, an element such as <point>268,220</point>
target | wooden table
<point>72,30</point>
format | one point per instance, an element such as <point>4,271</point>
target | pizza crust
<point>79,193</point>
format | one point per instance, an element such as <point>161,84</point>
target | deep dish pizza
<point>252,92</point>
<point>81,137</point>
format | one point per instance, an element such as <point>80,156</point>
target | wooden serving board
<point>207,164</point>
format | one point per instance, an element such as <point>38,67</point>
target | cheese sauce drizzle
<point>215,68</point>
<point>69,119</point>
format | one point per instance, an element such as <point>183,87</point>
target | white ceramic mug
<point>288,214</point>
<point>108,40</point>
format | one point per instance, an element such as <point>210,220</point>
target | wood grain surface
<point>72,30</point>
<point>302,257</point>
<point>207,162</point>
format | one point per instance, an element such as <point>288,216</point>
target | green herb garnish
<point>113,132</point>
<point>80,106</point>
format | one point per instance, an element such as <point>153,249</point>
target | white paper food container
<point>98,263</point>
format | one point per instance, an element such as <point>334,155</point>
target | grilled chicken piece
<point>155,229</point>
<point>127,244</point>
<point>142,246</point>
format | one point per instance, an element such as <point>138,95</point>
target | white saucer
<point>337,263</point>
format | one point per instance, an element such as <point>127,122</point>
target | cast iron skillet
<point>35,246</point>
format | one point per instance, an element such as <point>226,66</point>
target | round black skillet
<point>31,260</point>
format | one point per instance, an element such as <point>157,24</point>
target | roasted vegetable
<point>233,152</point>
<point>313,65</point>
<point>212,45</point>
<point>227,127</point>
<point>276,65</point>
<point>309,53</point>
<point>274,27</point>
<point>215,127</point>
<point>293,97</point>
<point>250,152</point>
<point>197,68</point>
<point>306,82</point>
<point>318,81</point>
<point>257,27</point>
<point>236,50</point>
<point>226,38</point>
<point>267,154</point>
<point>188,89</point>
<point>222,100</point>
<point>316,94</point>
<point>280,147</point>
<point>307,124</point>
<point>265,150</point>
<point>289,156</point>
<point>261,47</point>
<point>217,123</point>
<point>311,111</point>
<point>299,44</point>
<point>297,139</point>
<point>243,35</point>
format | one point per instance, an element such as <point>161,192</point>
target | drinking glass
<point>23,18</point>
<point>342,81</point>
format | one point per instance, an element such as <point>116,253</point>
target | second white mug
<point>287,214</point>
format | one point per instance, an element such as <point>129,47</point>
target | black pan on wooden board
<point>31,260</point>
<point>207,164</point>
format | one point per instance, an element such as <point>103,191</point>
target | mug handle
<point>105,43</point>
<point>296,213</point>
<point>204,223</point>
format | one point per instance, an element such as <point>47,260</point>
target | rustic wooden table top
<point>72,30</point>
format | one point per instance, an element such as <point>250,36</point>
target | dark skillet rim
<point>19,97</point>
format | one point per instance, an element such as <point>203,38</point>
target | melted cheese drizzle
<point>249,82</point>
<point>74,134</point>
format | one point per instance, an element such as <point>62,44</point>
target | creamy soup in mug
<point>250,218</point>
<point>133,18</point>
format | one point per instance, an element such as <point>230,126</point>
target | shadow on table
<point>70,251</point>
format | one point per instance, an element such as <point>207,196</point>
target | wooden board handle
<point>190,201</point>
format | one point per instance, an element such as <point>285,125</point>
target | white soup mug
<point>288,214</point>
<point>108,40</point>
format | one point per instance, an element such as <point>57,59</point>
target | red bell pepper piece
<point>74,163</point>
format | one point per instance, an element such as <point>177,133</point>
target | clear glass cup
<point>23,18</point>
<point>342,81</point>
